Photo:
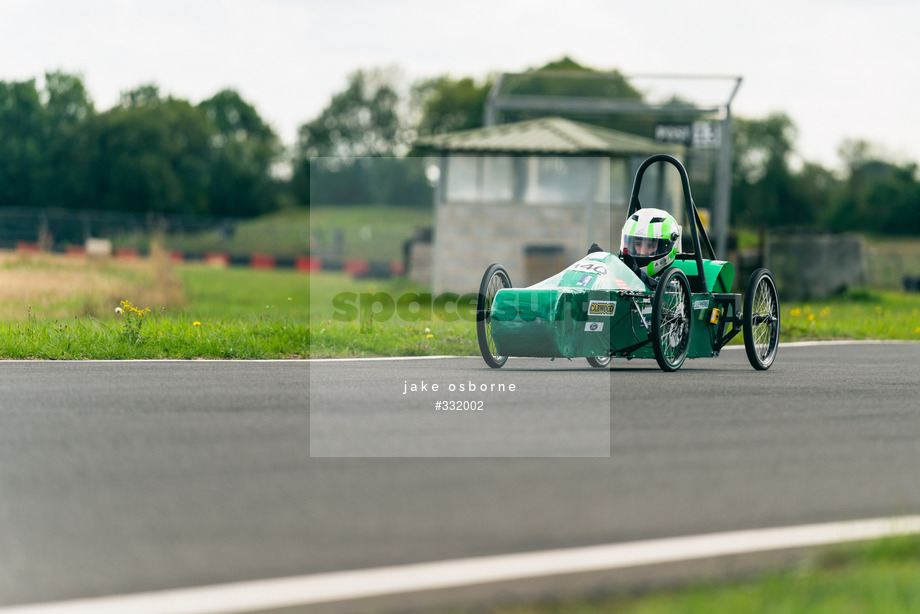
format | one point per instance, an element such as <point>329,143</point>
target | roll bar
<point>700,238</point>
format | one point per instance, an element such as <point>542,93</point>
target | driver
<point>649,243</point>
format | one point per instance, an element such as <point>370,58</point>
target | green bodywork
<point>599,307</point>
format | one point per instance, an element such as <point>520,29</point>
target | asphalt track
<point>121,477</point>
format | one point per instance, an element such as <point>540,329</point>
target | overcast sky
<point>844,69</point>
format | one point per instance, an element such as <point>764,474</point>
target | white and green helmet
<point>652,238</point>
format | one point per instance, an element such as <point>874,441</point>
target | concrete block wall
<point>808,266</point>
<point>471,236</point>
<point>420,259</point>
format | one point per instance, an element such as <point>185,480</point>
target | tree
<point>816,186</point>
<point>878,195</point>
<point>66,101</point>
<point>366,119</point>
<point>244,149</point>
<point>152,155</point>
<point>149,153</point>
<point>764,189</point>
<point>22,144</point>
<point>163,155</point>
<point>69,149</point>
<point>449,105</point>
<point>566,78</point>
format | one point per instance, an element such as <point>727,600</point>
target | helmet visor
<point>646,247</point>
<point>643,246</point>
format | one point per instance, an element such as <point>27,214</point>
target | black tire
<point>760,320</point>
<point>599,362</point>
<point>494,279</point>
<point>670,331</point>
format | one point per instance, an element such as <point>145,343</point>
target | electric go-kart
<point>599,308</point>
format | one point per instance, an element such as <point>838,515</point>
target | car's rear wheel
<point>494,279</point>
<point>670,330</point>
<point>760,321</point>
<point>598,362</point>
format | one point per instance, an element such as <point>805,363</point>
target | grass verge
<point>56,308</point>
<point>435,332</point>
<point>877,577</point>
<point>52,307</point>
<point>50,287</point>
<point>858,314</point>
<point>156,336</point>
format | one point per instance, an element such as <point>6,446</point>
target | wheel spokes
<point>764,319</point>
<point>673,321</point>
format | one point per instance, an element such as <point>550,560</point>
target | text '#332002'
<point>459,405</point>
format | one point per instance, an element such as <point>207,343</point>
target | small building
<point>533,196</point>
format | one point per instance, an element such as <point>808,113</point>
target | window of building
<point>480,179</point>
<point>561,180</point>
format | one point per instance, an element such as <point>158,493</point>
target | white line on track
<point>187,361</point>
<point>803,344</point>
<point>792,344</point>
<point>387,358</point>
<point>340,586</point>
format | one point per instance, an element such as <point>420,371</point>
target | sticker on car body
<point>590,267</point>
<point>602,308</point>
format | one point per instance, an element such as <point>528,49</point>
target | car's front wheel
<point>670,330</point>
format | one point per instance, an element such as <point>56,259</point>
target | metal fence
<point>54,229</point>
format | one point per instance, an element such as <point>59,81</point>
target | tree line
<point>163,155</point>
<point>872,194</point>
<point>149,153</point>
<point>772,186</point>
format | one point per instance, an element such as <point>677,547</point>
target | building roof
<point>546,135</point>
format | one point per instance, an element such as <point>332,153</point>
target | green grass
<point>246,313</point>
<point>395,336</point>
<point>157,337</point>
<point>374,232</point>
<point>243,293</point>
<point>285,233</point>
<point>858,314</point>
<point>224,313</point>
<point>878,577</point>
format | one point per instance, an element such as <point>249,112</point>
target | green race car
<point>634,304</point>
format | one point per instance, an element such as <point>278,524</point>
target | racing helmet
<point>652,238</point>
